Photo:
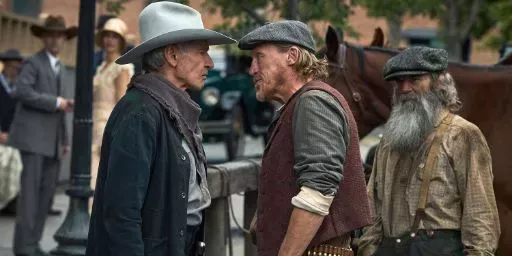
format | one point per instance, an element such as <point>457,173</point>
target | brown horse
<point>485,91</point>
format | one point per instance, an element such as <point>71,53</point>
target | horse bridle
<point>341,57</point>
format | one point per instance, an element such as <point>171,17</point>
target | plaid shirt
<point>461,195</point>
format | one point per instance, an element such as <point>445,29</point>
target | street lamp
<point>72,234</point>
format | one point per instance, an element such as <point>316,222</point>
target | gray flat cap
<point>416,60</point>
<point>286,31</point>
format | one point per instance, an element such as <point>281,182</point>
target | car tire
<point>235,140</point>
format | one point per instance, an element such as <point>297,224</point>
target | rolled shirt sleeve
<point>320,136</point>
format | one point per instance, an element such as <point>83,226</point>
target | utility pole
<point>72,234</point>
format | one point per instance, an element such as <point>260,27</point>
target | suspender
<point>427,175</point>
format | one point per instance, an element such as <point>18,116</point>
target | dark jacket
<point>141,193</point>
<point>7,107</point>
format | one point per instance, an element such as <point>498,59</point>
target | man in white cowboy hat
<point>39,131</point>
<point>151,185</point>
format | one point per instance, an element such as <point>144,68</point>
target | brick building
<point>363,24</point>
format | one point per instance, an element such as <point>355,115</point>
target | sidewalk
<point>61,202</point>
<point>53,223</point>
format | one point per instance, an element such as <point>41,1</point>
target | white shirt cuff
<point>312,201</point>
<point>58,102</point>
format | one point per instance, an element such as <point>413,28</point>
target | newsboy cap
<point>285,31</point>
<point>416,60</point>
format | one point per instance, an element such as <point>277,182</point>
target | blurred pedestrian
<point>100,54</point>
<point>38,130</point>
<point>11,60</point>
<point>12,63</point>
<point>151,188</point>
<point>109,84</point>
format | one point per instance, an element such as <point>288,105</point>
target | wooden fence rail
<point>225,180</point>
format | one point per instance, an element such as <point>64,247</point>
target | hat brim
<point>10,58</point>
<point>212,37</point>
<point>253,44</point>
<point>38,31</point>
<point>394,75</point>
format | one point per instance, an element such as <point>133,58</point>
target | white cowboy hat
<point>164,23</point>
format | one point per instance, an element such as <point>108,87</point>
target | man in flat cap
<point>312,190</point>
<point>38,130</point>
<point>151,187</point>
<point>431,187</point>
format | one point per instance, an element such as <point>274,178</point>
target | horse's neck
<point>484,92</point>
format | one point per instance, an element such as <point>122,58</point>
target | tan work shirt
<point>461,196</point>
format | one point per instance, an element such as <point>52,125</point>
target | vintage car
<point>229,107</point>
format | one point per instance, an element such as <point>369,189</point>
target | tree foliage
<point>500,15</point>
<point>242,16</point>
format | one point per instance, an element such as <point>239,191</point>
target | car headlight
<point>229,99</point>
<point>210,96</point>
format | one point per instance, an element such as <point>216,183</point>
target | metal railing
<point>225,180</point>
<point>15,33</point>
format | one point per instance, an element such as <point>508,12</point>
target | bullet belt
<point>328,250</point>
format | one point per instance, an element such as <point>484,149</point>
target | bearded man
<point>431,187</point>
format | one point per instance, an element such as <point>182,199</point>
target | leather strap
<point>429,166</point>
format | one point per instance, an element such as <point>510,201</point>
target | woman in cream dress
<point>109,84</point>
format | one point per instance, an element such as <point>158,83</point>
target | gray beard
<point>412,118</point>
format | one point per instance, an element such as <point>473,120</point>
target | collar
<point>53,58</point>
<point>176,101</point>
<point>181,108</point>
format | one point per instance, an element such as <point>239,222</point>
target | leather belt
<point>328,250</point>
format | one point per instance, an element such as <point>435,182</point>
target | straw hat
<point>164,23</point>
<point>54,24</point>
<point>116,26</point>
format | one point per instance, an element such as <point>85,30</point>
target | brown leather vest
<point>349,210</point>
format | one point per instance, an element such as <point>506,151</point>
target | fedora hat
<point>11,54</point>
<point>164,23</point>
<point>54,24</point>
<point>116,26</point>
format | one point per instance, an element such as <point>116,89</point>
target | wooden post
<point>215,228</point>
<point>250,204</point>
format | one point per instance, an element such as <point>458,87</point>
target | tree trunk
<point>395,30</point>
<point>293,10</point>
<point>452,35</point>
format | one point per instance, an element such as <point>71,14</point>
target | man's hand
<point>66,105</point>
<point>65,149</point>
<point>4,137</point>
<point>301,230</point>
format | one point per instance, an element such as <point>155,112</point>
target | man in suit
<point>39,132</point>
<point>11,60</point>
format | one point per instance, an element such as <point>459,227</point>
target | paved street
<point>215,153</point>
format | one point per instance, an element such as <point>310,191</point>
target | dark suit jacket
<point>38,127</point>
<point>7,106</point>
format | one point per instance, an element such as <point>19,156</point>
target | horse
<point>485,92</point>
